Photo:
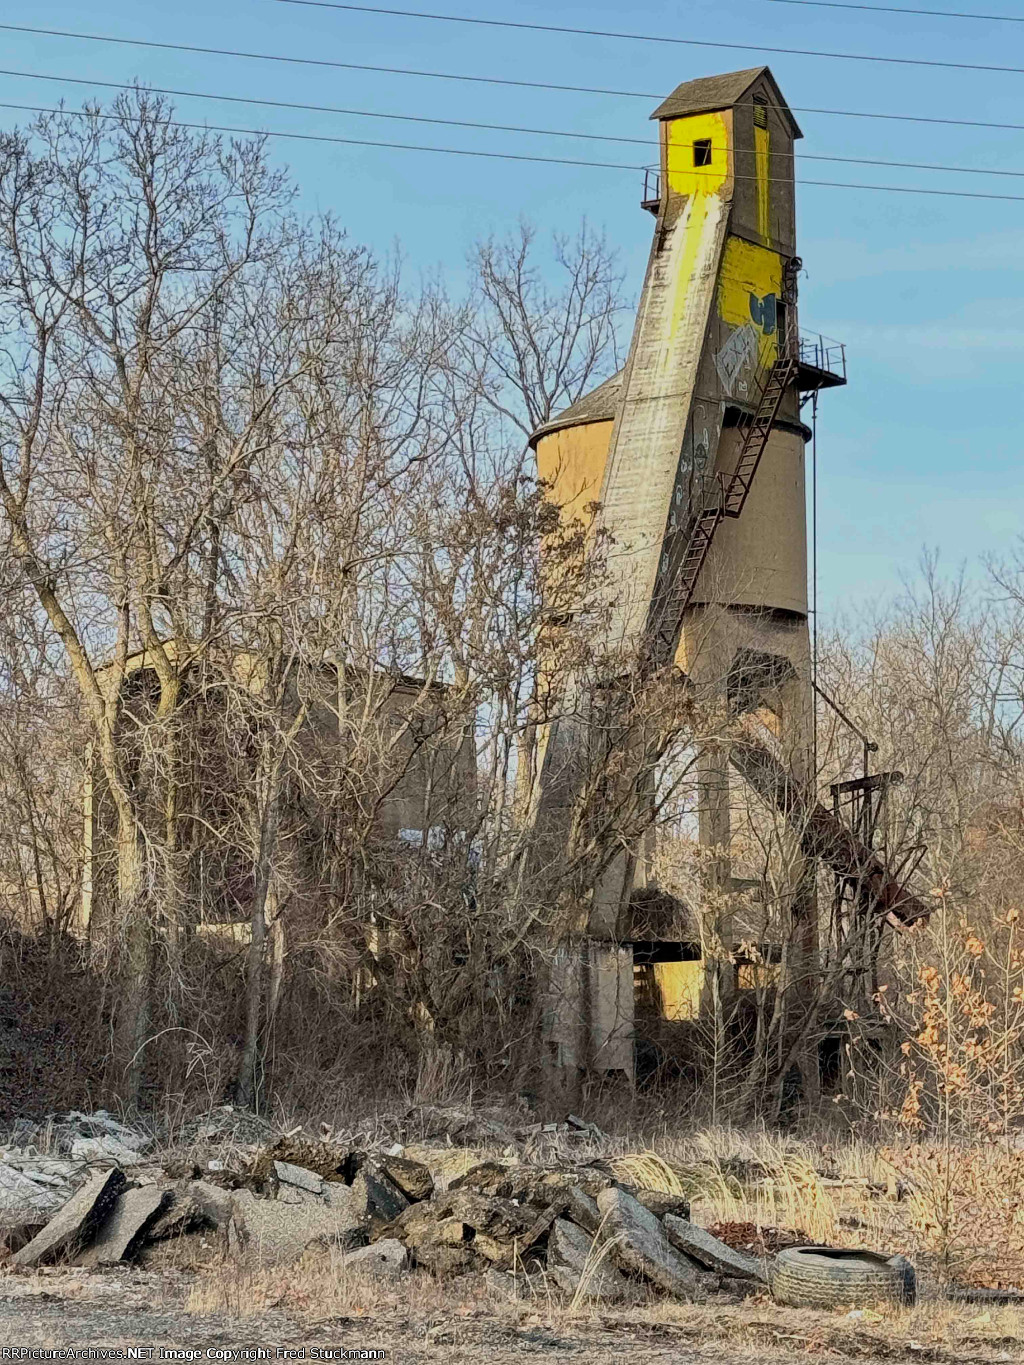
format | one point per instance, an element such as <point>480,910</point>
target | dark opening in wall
<point>830,1063</point>
<point>702,151</point>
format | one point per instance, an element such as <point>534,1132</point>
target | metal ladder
<point>736,487</point>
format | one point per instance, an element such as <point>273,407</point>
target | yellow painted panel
<point>746,269</point>
<point>749,288</point>
<point>752,976</point>
<point>683,176</point>
<point>761,162</point>
<point>679,986</point>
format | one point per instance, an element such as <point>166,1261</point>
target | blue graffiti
<point>765,312</point>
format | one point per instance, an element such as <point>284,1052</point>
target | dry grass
<point>319,1289</point>
<point>956,1215</point>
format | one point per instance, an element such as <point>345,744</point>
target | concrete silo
<point>694,457</point>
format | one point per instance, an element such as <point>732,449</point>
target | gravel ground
<point>112,1311</point>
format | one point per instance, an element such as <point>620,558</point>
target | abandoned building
<point>692,458</point>
<point>411,782</point>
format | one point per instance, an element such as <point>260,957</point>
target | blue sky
<point>922,448</point>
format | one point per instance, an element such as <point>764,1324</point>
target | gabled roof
<point>722,92</point>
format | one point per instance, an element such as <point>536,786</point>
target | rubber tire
<point>821,1277</point>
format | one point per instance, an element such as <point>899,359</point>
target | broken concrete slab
<point>660,1203</point>
<point>180,1215</point>
<point>27,1203</point>
<point>265,1232</point>
<point>583,1210</point>
<point>289,1174</point>
<point>326,1159</point>
<point>440,1244</point>
<point>710,1252</point>
<point>216,1205</point>
<point>375,1196</point>
<point>106,1147</point>
<point>76,1222</point>
<point>412,1178</point>
<point>578,1264</point>
<point>502,1219</point>
<point>386,1257</point>
<point>537,1185</point>
<point>495,1178</point>
<point>640,1245</point>
<point>124,1232</point>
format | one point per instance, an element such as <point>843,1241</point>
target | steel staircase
<point>736,487</point>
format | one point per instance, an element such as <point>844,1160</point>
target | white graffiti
<point>737,355</point>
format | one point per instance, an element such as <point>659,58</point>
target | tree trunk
<point>135,931</point>
<point>247,1085</point>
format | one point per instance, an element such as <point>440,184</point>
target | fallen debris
<point>710,1252</point>
<point>24,1202</point>
<point>578,1226</point>
<point>124,1232</point>
<point>388,1257</point>
<point>375,1197</point>
<point>265,1232</point>
<point>640,1245</point>
<point>412,1178</point>
<point>76,1222</point>
<point>299,1177</point>
<point>578,1265</point>
<point>105,1147</point>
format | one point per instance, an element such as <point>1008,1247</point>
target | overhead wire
<point>503,156</point>
<point>652,37</point>
<point>900,9</point>
<point>466,123</point>
<point>480,80</point>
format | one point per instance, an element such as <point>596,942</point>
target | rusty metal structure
<point>693,456</point>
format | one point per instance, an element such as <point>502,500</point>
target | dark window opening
<point>702,151</point>
<point>760,112</point>
<point>830,1063</point>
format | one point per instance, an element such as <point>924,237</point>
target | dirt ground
<point>117,1309</point>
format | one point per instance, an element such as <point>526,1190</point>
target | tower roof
<point>709,93</point>
<point>599,405</point>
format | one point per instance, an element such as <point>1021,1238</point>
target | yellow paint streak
<point>679,987</point>
<point>748,270</point>
<point>699,185</point>
<point>762,146</point>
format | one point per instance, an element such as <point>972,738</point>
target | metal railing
<point>652,188</point>
<point>822,353</point>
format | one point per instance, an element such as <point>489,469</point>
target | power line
<point>479,80</point>
<point>898,9</point>
<point>500,156</point>
<point>490,127</point>
<point>325,62</point>
<point>344,141</point>
<point>326,108</point>
<point>653,37</point>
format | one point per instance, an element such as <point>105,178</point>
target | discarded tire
<point>823,1277</point>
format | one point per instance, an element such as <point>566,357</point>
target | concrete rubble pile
<point>262,1203</point>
